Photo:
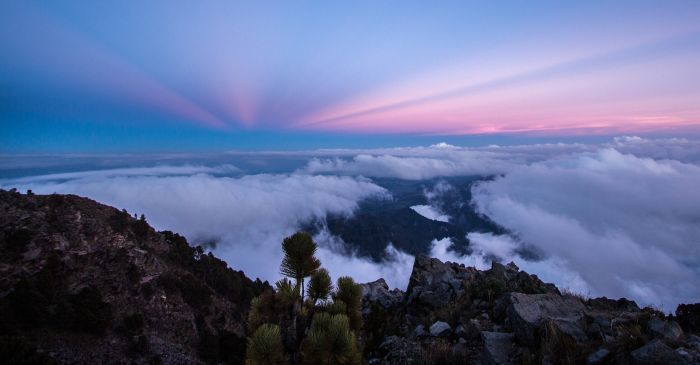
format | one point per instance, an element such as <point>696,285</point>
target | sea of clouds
<point>615,219</point>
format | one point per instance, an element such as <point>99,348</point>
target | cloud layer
<point>626,225</point>
<point>246,216</point>
<point>615,219</point>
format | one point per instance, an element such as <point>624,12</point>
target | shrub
<point>91,313</point>
<point>688,316</point>
<point>558,347</point>
<point>350,294</point>
<point>265,346</point>
<point>330,341</point>
<point>441,354</point>
<point>140,228</point>
<point>320,285</point>
<point>119,221</point>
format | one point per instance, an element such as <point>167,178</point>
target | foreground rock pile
<point>451,314</point>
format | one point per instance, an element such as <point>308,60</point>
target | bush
<point>330,341</point>
<point>119,221</point>
<point>91,313</point>
<point>688,316</point>
<point>350,294</point>
<point>193,291</point>
<point>265,346</point>
<point>441,354</point>
<point>140,228</point>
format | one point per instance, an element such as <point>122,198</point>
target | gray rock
<point>420,331</point>
<point>597,357</point>
<point>436,283</point>
<point>694,342</point>
<point>656,352</point>
<point>461,331</point>
<point>388,342</point>
<point>527,312</point>
<point>669,331</point>
<point>473,329</point>
<point>497,347</point>
<point>378,291</point>
<point>440,329</point>
<point>685,354</point>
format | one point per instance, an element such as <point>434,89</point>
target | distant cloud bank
<point>615,219</point>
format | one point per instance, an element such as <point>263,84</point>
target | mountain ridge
<point>83,282</point>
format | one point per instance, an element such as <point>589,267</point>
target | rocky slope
<point>451,314</point>
<point>81,282</point>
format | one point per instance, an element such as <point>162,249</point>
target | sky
<point>115,76</point>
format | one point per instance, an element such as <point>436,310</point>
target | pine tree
<point>351,294</point>
<point>330,341</point>
<point>320,286</point>
<point>265,346</point>
<point>299,261</point>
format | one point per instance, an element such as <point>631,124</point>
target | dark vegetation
<point>688,316</point>
<point>75,270</point>
<point>379,222</point>
<point>289,327</point>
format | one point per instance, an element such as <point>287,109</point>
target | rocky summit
<point>452,314</point>
<point>85,283</point>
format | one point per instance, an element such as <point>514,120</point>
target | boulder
<point>527,312</point>
<point>497,347</point>
<point>665,330</point>
<point>617,305</point>
<point>378,291</point>
<point>656,352</point>
<point>389,341</point>
<point>694,342</point>
<point>440,329</point>
<point>461,331</point>
<point>420,331</point>
<point>597,357</point>
<point>436,283</point>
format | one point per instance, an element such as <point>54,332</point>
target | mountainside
<point>379,222</point>
<point>81,282</point>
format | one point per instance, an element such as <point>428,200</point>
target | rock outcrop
<point>452,314</point>
<point>378,292</point>
<point>528,312</point>
<point>81,282</point>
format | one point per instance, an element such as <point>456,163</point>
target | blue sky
<point>128,76</point>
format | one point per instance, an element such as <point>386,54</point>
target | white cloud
<point>162,170</point>
<point>443,145</point>
<point>616,219</point>
<point>626,225</point>
<point>410,168</point>
<point>488,247</point>
<point>431,212</point>
<point>395,268</point>
<point>249,215</point>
